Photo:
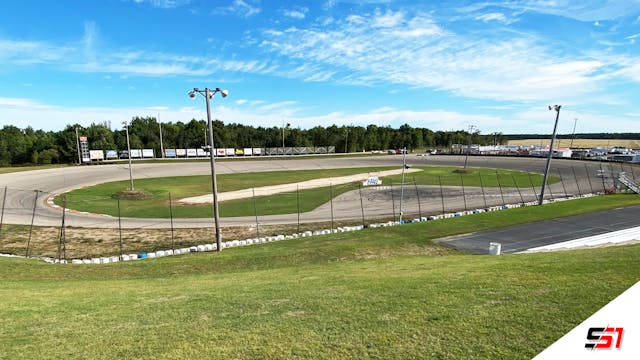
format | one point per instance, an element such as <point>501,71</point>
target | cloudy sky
<point>443,65</point>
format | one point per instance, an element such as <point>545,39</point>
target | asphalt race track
<point>526,236</point>
<point>578,177</point>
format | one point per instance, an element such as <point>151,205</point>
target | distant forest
<point>29,146</point>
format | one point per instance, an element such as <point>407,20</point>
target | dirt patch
<point>131,195</point>
<point>78,243</point>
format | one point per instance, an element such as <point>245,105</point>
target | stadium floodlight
<point>208,95</point>
<point>555,108</point>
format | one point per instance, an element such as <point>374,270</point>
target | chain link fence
<point>32,225</point>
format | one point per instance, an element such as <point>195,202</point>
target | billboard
<point>147,153</point>
<point>257,151</point>
<point>170,153</point>
<point>84,149</point>
<point>192,152</point>
<point>136,153</point>
<point>248,152</point>
<point>111,154</point>
<point>202,152</point>
<point>230,151</point>
<point>181,152</point>
<point>220,152</point>
<point>96,155</point>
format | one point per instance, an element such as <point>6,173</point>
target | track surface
<point>522,237</point>
<point>346,206</point>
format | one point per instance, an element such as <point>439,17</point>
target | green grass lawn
<point>378,293</point>
<point>99,198</point>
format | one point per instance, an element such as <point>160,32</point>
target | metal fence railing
<point>32,225</point>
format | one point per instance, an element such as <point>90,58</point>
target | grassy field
<point>99,198</point>
<point>379,293</point>
<point>581,143</point>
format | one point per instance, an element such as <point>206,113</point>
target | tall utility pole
<point>404,166</point>
<point>208,95</point>
<point>573,134</point>
<point>126,128</point>
<point>161,145</point>
<point>78,146</point>
<point>556,108</point>
<point>471,129</point>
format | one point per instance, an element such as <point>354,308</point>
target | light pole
<point>160,131</point>
<point>78,146</point>
<point>573,134</point>
<point>471,129</point>
<point>555,108</point>
<point>404,166</point>
<point>126,128</point>
<point>208,94</point>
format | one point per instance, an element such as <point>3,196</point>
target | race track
<point>578,177</point>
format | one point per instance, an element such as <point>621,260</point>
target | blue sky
<point>443,65</point>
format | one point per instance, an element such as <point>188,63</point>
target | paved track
<point>380,202</point>
<point>522,237</point>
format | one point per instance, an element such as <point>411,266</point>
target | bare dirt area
<point>98,242</point>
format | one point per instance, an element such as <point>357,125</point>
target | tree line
<point>29,146</point>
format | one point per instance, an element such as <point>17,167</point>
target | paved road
<point>378,202</point>
<point>522,237</point>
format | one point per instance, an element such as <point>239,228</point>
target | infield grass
<point>99,198</point>
<point>379,293</point>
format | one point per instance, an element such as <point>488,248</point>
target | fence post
<point>173,248</point>
<point>255,212</point>
<point>298,205</point>
<point>464,195</point>
<point>4,198</point>
<point>484,197</point>
<point>120,229</point>
<point>62,246</point>
<point>33,216</point>
<point>550,192</point>
<point>361,203</point>
<point>604,187</point>
<point>575,176</point>
<point>562,182</point>
<point>331,195</point>
<point>418,196</point>
<point>586,171</point>
<point>500,186</point>
<point>517,188</point>
<point>535,193</point>
<point>441,193</point>
<point>393,201</point>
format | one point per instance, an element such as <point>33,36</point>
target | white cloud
<point>239,8</point>
<point>31,52</point>
<point>27,112</point>
<point>499,17</point>
<point>163,4</point>
<point>297,13</point>
<point>416,51</point>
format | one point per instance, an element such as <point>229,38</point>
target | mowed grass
<point>162,191</point>
<point>379,293</point>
